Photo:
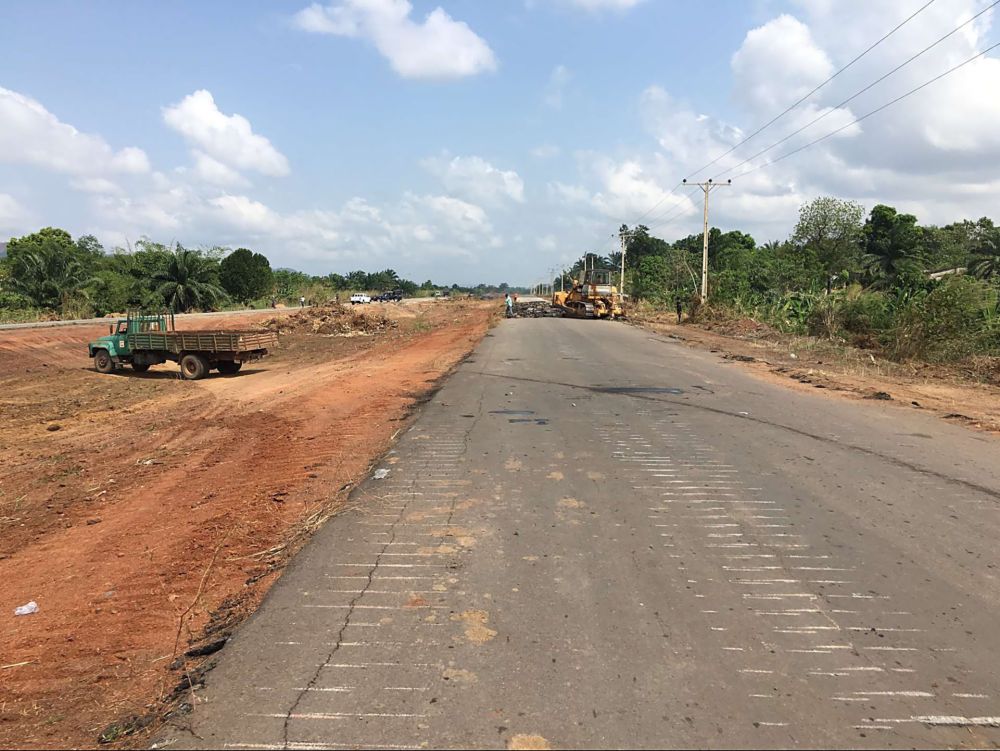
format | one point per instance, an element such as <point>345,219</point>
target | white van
<point>360,299</point>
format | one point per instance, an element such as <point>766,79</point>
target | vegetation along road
<point>594,535</point>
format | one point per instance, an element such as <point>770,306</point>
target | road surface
<point>594,536</point>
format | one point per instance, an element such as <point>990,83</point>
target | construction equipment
<point>592,296</point>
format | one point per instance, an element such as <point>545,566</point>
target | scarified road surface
<point>595,537</point>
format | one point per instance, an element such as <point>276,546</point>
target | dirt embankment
<point>143,513</point>
<point>953,393</point>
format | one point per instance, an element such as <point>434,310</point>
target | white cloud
<point>546,151</point>
<point>437,47</point>
<point>98,185</point>
<point>416,228</point>
<point>548,243</point>
<point>214,172</point>
<point>245,214</point>
<point>227,139</point>
<point>30,134</point>
<point>14,217</point>
<point>688,138</point>
<point>555,91</point>
<point>627,188</point>
<point>476,178</point>
<point>461,216</point>
<point>594,5</point>
<point>777,64</point>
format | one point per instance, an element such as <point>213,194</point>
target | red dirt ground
<point>135,508</point>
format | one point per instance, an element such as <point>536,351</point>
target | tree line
<point>876,279</point>
<point>49,273</point>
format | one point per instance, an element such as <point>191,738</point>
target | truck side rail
<point>204,341</point>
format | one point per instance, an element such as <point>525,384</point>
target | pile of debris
<point>536,310</point>
<point>332,319</point>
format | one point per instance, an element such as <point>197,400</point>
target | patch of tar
<point>475,622</point>
<point>456,675</point>
<point>523,742</point>
<point>457,535</point>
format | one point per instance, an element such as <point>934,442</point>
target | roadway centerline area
<point>594,537</point>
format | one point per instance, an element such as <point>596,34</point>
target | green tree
<point>288,283</point>
<point>46,267</point>
<point>985,250</point>
<point>639,244</point>
<point>653,280</point>
<point>245,275</point>
<point>110,292</point>
<point>189,281</point>
<point>337,281</point>
<point>891,243</point>
<point>357,280</point>
<point>829,230</point>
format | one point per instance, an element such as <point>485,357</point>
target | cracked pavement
<point>593,536</point>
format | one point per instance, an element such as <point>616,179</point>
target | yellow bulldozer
<point>592,296</point>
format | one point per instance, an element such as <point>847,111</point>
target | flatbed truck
<point>142,340</point>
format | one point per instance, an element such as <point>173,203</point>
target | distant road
<point>596,537</point>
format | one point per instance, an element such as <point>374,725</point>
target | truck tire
<point>140,367</point>
<point>194,367</point>
<point>229,367</point>
<point>103,362</point>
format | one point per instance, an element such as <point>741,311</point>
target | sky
<point>468,141</point>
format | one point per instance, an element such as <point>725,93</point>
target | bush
<point>947,323</point>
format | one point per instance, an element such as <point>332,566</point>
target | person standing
<point>680,309</point>
<point>510,305</point>
<point>302,301</point>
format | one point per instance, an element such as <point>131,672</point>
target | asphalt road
<point>593,536</point>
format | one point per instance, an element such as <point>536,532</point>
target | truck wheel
<point>140,367</point>
<point>194,367</point>
<point>103,362</point>
<point>229,367</point>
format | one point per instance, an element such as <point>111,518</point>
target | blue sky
<point>466,140</point>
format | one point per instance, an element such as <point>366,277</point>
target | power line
<point>859,93</point>
<point>678,212</point>
<point>775,119</point>
<point>667,210</point>
<point>873,112</point>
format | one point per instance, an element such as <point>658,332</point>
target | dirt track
<point>136,510</point>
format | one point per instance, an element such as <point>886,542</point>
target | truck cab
<point>116,348</point>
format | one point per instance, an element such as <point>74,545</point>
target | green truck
<point>142,340</point>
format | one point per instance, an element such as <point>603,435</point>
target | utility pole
<point>621,282</point>
<point>707,187</point>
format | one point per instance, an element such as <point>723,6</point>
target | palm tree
<point>987,263</point>
<point>46,276</point>
<point>188,282</point>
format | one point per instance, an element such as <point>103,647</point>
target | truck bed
<point>204,341</point>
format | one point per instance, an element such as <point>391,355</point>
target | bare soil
<point>967,393</point>
<point>144,513</point>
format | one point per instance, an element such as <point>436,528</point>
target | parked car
<point>360,298</point>
<point>395,295</point>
